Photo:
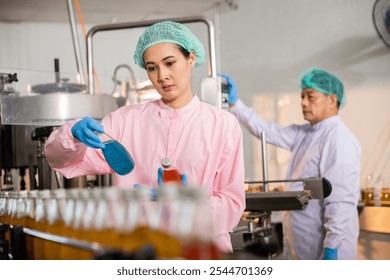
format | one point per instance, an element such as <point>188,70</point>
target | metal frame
<point>128,25</point>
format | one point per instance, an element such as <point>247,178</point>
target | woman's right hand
<point>85,131</point>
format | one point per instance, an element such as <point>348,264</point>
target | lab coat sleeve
<point>70,157</point>
<point>275,133</point>
<point>228,199</point>
<point>340,164</point>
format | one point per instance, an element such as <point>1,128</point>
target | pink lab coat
<point>203,142</point>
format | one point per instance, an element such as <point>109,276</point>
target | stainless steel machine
<point>28,118</point>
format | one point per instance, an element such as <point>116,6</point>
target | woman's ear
<point>192,59</point>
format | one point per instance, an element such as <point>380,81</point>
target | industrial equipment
<point>28,118</point>
<point>258,236</point>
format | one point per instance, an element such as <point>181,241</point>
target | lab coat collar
<point>327,122</point>
<point>169,113</point>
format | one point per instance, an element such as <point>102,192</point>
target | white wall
<point>265,45</point>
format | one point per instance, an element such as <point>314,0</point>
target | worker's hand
<point>85,131</point>
<point>233,97</point>
<point>161,182</point>
<point>330,254</point>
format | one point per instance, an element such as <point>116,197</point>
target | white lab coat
<point>327,149</point>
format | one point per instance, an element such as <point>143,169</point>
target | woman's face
<point>170,73</point>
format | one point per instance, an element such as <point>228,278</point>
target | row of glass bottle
<point>372,196</point>
<point>177,224</point>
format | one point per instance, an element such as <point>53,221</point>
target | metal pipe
<point>264,160</point>
<point>93,246</point>
<point>127,25</point>
<point>76,43</point>
<point>274,181</point>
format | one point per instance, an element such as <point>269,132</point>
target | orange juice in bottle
<point>109,210</point>
<point>21,215</point>
<point>69,252</point>
<point>55,225</point>
<point>41,223</point>
<point>195,226</point>
<point>74,229</point>
<point>30,222</point>
<point>4,199</point>
<point>137,221</point>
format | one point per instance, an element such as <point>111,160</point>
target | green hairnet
<point>169,32</point>
<point>324,82</point>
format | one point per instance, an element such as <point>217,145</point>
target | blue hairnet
<point>324,82</point>
<point>169,32</point>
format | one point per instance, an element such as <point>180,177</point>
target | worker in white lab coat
<point>324,147</point>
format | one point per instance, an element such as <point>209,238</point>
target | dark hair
<point>185,53</point>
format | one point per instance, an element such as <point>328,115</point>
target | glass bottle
<point>168,209</point>
<point>30,222</point>
<point>108,210</point>
<point>195,226</point>
<point>41,223</point>
<point>21,215</point>
<point>78,232</point>
<point>385,193</point>
<point>55,225</point>
<point>170,175</point>
<point>4,199</point>
<point>145,216</point>
<point>116,155</point>
<point>368,192</point>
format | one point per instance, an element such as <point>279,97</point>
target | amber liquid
<point>72,252</point>
<point>385,197</point>
<point>53,249</point>
<point>171,176</point>
<point>30,224</point>
<point>368,196</point>
<point>165,245</point>
<point>39,244</point>
<point>197,250</point>
<point>105,237</point>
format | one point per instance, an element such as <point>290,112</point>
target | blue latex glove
<point>84,131</point>
<point>233,97</point>
<point>330,254</point>
<point>160,180</point>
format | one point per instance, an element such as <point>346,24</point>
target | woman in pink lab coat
<point>201,141</point>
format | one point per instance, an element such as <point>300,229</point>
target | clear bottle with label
<point>170,175</point>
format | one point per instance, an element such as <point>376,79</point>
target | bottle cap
<point>166,162</point>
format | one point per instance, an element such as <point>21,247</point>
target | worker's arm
<point>71,157</point>
<point>228,198</point>
<point>340,164</point>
